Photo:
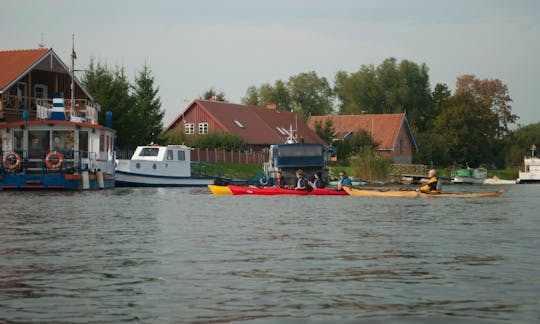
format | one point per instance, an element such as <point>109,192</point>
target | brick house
<point>258,127</point>
<point>392,131</point>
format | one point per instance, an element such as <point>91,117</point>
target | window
<point>149,151</point>
<point>238,123</point>
<point>170,155</point>
<point>189,128</point>
<point>40,91</point>
<point>181,156</point>
<point>203,128</point>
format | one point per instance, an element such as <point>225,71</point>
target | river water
<point>183,255</point>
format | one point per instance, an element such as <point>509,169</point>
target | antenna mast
<point>73,57</point>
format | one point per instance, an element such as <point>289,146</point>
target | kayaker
<point>318,183</point>
<point>302,183</point>
<point>280,181</point>
<point>433,186</point>
<point>343,180</point>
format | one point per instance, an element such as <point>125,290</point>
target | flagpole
<point>73,75</point>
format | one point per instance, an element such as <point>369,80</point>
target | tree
<point>469,129</point>
<point>326,132</point>
<point>493,94</point>
<point>520,142</point>
<point>147,108</point>
<point>310,95</point>
<point>357,142</point>
<point>110,90</point>
<point>212,93</point>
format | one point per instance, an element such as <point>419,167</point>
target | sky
<point>230,45</point>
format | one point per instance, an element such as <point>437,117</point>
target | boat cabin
<point>158,161</point>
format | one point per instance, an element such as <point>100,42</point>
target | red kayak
<point>241,190</point>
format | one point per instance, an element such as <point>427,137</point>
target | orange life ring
<point>54,159</point>
<point>12,160</point>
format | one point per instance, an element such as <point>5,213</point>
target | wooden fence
<point>222,156</point>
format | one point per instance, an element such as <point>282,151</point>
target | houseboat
<point>159,166</point>
<point>59,150</point>
<point>531,172</point>
<point>50,143</point>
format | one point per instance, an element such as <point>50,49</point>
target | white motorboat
<point>159,166</point>
<point>531,172</point>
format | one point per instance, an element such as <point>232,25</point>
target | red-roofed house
<point>258,127</point>
<point>29,75</point>
<point>391,131</point>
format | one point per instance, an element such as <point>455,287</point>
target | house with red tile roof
<point>258,127</point>
<point>27,76</point>
<point>392,131</point>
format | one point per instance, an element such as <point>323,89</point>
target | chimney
<point>214,98</point>
<point>271,106</point>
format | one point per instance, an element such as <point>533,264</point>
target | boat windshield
<point>149,151</point>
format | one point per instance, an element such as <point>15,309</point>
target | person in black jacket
<point>318,182</point>
<point>280,180</point>
<point>302,183</point>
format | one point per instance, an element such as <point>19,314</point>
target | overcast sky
<point>229,45</point>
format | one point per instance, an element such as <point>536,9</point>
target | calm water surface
<point>183,255</point>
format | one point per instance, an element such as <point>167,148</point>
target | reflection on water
<point>182,255</point>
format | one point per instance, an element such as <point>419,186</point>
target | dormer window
<point>238,123</point>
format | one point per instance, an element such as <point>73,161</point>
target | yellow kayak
<point>412,193</point>
<point>219,190</point>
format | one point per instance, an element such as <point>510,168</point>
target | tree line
<point>471,125</point>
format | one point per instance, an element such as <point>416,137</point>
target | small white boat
<point>159,166</point>
<point>531,173</point>
<point>496,181</point>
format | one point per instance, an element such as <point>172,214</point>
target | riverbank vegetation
<point>473,124</point>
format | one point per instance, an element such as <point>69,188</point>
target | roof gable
<point>15,64</point>
<point>383,128</point>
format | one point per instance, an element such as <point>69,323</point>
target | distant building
<point>27,76</point>
<point>392,132</point>
<point>258,127</point>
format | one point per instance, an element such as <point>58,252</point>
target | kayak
<point>219,190</point>
<point>412,193</point>
<point>242,190</point>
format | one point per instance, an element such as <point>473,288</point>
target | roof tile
<point>13,63</point>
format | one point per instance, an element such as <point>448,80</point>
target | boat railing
<point>50,162</point>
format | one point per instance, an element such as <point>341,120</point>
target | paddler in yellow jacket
<point>433,185</point>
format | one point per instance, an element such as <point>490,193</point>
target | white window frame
<point>189,128</point>
<point>203,128</point>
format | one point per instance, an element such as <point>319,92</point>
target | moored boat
<point>269,191</point>
<point>50,142</point>
<point>469,176</point>
<point>413,193</point>
<point>531,172</point>
<point>159,166</point>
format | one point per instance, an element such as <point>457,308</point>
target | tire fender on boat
<point>54,156</point>
<point>12,160</point>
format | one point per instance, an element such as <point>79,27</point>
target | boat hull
<point>219,190</point>
<point>54,181</point>
<point>129,179</point>
<point>269,191</point>
<point>412,193</point>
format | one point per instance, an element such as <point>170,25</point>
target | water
<point>183,255</point>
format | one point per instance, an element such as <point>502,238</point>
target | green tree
<point>110,90</point>
<point>354,143</point>
<point>469,129</point>
<point>310,95</point>
<point>213,93</point>
<point>493,94</point>
<point>391,87</point>
<point>326,132</point>
<point>520,142</point>
<point>147,111</point>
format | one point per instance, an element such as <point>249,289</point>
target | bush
<point>368,165</point>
